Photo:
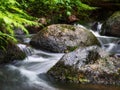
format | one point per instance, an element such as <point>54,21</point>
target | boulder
<point>9,51</point>
<point>87,65</point>
<point>63,38</point>
<point>112,26</point>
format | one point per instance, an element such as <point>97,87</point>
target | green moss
<point>67,73</point>
<point>82,80</point>
<point>10,52</point>
<point>71,48</point>
<point>115,15</point>
<point>69,27</point>
<point>92,40</point>
<point>9,56</point>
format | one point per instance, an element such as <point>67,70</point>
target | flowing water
<point>30,74</point>
<point>110,44</point>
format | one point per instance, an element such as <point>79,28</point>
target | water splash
<point>37,62</point>
<point>108,43</point>
<point>28,50</point>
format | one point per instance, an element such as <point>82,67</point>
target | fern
<point>4,38</point>
<point>12,16</point>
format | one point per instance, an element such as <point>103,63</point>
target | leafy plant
<point>55,8</point>
<point>11,16</point>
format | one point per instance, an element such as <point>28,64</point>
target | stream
<point>30,74</point>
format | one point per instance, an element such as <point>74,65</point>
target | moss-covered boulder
<point>63,38</point>
<point>87,65</point>
<point>9,51</point>
<point>112,26</point>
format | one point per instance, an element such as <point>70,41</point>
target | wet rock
<point>63,38</point>
<point>19,31</point>
<point>9,52</point>
<point>112,26</point>
<point>35,29</point>
<point>81,56</point>
<point>87,65</point>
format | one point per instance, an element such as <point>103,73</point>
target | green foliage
<point>11,16</point>
<point>55,7</point>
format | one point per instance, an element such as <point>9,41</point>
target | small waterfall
<point>110,44</point>
<point>99,26</point>
<point>28,50</point>
<point>40,64</point>
<point>96,26</point>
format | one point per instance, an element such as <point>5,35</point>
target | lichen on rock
<point>63,38</point>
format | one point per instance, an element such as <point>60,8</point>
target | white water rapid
<point>37,63</point>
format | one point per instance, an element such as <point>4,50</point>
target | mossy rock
<point>66,73</point>
<point>112,26</point>
<point>10,51</point>
<point>63,38</point>
<point>88,65</point>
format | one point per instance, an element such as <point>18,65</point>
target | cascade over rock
<point>63,38</point>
